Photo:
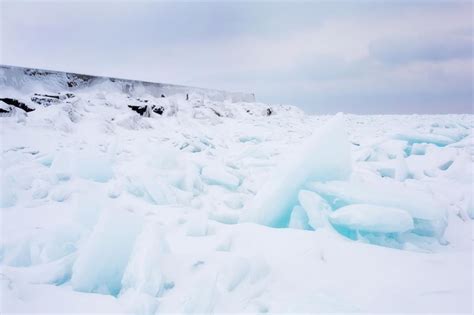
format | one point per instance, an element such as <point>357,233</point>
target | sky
<point>359,56</point>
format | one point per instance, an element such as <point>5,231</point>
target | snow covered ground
<point>220,206</point>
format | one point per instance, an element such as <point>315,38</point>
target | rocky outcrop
<point>144,110</point>
<point>16,103</point>
<point>47,99</point>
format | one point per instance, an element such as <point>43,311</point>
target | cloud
<point>323,56</point>
<point>430,48</point>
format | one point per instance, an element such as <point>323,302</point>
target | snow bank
<point>197,224</point>
<point>324,156</point>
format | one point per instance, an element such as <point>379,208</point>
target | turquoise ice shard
<point>324,156</point>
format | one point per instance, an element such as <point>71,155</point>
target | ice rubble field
<point>218,207</point>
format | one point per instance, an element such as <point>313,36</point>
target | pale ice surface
<point>217,207</point>
<point>370,218</point>
<point>104,256</point>
<point>217,176</point>
<point>299,219</point>
<point>316,208</point>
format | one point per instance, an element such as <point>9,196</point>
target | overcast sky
<point>324,56</point>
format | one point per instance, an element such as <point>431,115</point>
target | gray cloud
<point>432,47</point>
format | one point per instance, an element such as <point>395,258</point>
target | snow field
<point>103,210</point>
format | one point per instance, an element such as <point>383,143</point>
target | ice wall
<point>27,79</point>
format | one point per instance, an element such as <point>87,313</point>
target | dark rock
<point>17,104</point>
<point>216,112</point>
<point>269,111</point>
<point>139,109</point>
<point>75,80</point>
<point>36,72</point>
<point>45,100</point>
<point>3,111</point>
<point>144,110</point>
<point>50,96</point>
<point>159,110</point>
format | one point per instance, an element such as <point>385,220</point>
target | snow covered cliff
<point>36,80</point>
